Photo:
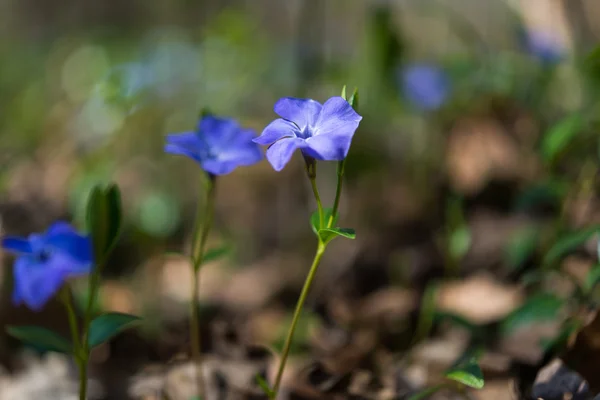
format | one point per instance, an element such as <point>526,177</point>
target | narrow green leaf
<point>466,369</point>
<point>328,234</point>
<point>521,246</point>
<point>460,242</point>
<point>546,193</point>
<point>109,325</point>
<point>354,99</point>
<point>468,374</point>
<point>315,223</point>
<point>592,279</point>
<point>425,393</point>
<point>558,343</point>
<point>264,385</point>
<point>455,320</point>
<point>558,137</point>
<point>541,307</point>
<point>104,218</point>
<point>216,253</point>
<point>343,95</point>
<point>568,243</point>
<point>41,338</point>
<point>427,312</point>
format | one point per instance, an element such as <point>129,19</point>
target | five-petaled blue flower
<point>46,260</point>
<point>544,46</point>
<point>323,132</point>
<point>219,145</point>
<point>426,86</point>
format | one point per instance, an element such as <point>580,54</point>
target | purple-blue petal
<point>59,227</point>
<point>302,112</point>
<point>16,245</point>
<point>217,132</point>
<point>280,152</point>
<point>34,284</point>
<point>186,144</point>
<point>333,132</point>
<point>276,130</point>
<point>78,249</point>
<point>425,86</point>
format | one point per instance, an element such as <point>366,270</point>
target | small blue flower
<point>219,145</point>
<point>544,46</point>
<point>46,260</point>
<point>426,86</point>
<point>323,132</point>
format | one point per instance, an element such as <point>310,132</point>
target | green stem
<point>301,300</point>
<point>311,170</point>
<point>78,350</point>
<point>338,192</point>
<point>204,219</point>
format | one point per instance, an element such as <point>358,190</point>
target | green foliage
<point>540,307</point>
<point>264,385</point>
<point>326,235</point>
<point>466,370</point>
<point>109,325</point>
<point>568,243</point>
<point>427,312</point>
<point>216,253</point>
<point>315,222</point>
<point>521,246</point>
<point>41,338</point>
<point>104,216</point>
<point>559,137</point>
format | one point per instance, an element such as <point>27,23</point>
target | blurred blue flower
<point>323,132</point>
<point>219,145</point>
<point>46,260</point>
<point>544,46</point>
<point>426,86</point>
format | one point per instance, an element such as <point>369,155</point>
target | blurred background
<point>478,147</point>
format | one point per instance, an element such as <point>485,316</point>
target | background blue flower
<point>219,145</point>
<point>426,86</point>
<point>46,260</point>
<point>544,46</point>
<point>323,132</point>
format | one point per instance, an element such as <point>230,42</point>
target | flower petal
<point>302,112</point>
<point>186,144</point>
<point>276,130</point>
<point>34,284</point>
<point>280,152</point>
<point>334,130</point>
<point>17,245</point>
<point>217,132</point>
<point>60,227</point>
<point>77,248</point>
<point>425,86</point>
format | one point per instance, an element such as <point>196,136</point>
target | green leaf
<point>560,341</point>
<point>315,223</point>
<point>460,242</point>
<point>592,279</point>
<point>455,320</point>
<point>426,313</point>
<point>521,246</point>
<point>558,137</point>
<point>108,325</point>
<point>425,393</point>
<point>466,369</point>
<point>328,234</point>
<point>343,95</point>
<point>550,193</point>
<point>353,100</point>
<point>468,374</point>
<point>264,385</point>
<point>215,253</point>
<point>104,218</point>
<point>541,307</point>
<point>568,243</point>
<point>41,338</point>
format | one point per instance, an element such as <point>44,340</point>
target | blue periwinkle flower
<point>426,86</point>
<point>544,46</point>
<point>219,145</point>
<point>321,131</point>
<point>45,261</point>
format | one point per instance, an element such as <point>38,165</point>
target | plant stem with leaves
<point>203,225</point>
